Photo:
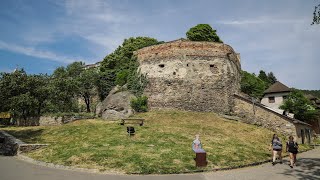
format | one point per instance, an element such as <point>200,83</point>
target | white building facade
<point>274,97</point>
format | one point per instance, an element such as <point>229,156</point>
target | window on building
<point>271,99</point>
<point>285,97</point>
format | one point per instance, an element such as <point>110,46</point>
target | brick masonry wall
<point>188,75</point>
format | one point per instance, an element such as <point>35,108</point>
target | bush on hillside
<point>139,104</point>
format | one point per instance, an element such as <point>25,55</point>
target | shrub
<point>121,78</point>
<point>139,104</point>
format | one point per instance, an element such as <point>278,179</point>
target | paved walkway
<point>308,167</point>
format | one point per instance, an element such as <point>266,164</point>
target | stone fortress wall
<point>190,75</point>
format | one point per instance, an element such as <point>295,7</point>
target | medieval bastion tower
<point>190,75</point>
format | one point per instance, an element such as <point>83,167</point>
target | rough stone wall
<point>55,121</point>
<point>10,145</point>
<point>13,146</point>
<point>257,115</point>
<point>188,75</point>
<point>50,121</point>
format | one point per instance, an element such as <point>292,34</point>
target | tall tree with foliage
<point>263,76</point>
<point>86,86</point>
<point>252,85</point>
<point>272,78</point>
<point>118,67</point>
<point>104,83</point>
<point>316,15</point>
<point>64,88</point>
<point>12,84</point>
<point>39,87</point>
<point>23,95</point>
<point>203,32</point>
<point>299,105</point>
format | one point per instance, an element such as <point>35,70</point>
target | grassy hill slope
<point>162,145</point>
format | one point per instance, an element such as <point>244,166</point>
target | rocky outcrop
<point>116,105</point>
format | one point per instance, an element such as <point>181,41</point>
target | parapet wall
<point>189,75</point>
<point>181,47</point>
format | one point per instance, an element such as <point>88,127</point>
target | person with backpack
<point>292,148</point>
<point>276,147</point>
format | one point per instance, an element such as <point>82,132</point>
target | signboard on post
<point>5,115</point>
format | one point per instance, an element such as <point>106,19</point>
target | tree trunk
<point>39,108</point>
<point>87,101</point>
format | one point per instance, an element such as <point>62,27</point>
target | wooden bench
<point>139,121</point>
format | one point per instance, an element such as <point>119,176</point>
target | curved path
<point>308,167</point>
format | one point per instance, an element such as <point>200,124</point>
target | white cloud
<point>287,47</point>
<point>30,51</point>
<point>97,22</point>
<point>262,20</point>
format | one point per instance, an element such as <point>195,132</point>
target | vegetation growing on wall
<point>122,66</point>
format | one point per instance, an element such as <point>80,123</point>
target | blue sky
<point>273,35</point>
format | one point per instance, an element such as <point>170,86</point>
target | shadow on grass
<point>307,168</point>
<point>28,135</point>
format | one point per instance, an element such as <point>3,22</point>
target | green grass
<point>317,141</point>
<point>162,145</point>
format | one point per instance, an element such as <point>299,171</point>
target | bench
<point>139,121</point>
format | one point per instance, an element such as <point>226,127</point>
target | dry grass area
<point>162,145</point>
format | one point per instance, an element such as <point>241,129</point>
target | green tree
<point>252,85</point>
<point>23,106</point>
<point>121,58</point>
<point>12,84</point>
<point>121,77</point>
<point>203,32</point>
<point>64,88</point>
<point>86,86</point>
<point>272,78</point>
<point>39,88</point>
<point>104,83</point>
<point>263,76</point>
<point>23,95</point>
<point>316,15</point>
<point>299,105</point>
<point>120,66</point>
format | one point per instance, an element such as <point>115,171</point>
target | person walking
<point>276,147</point>
<point>292,148</point>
